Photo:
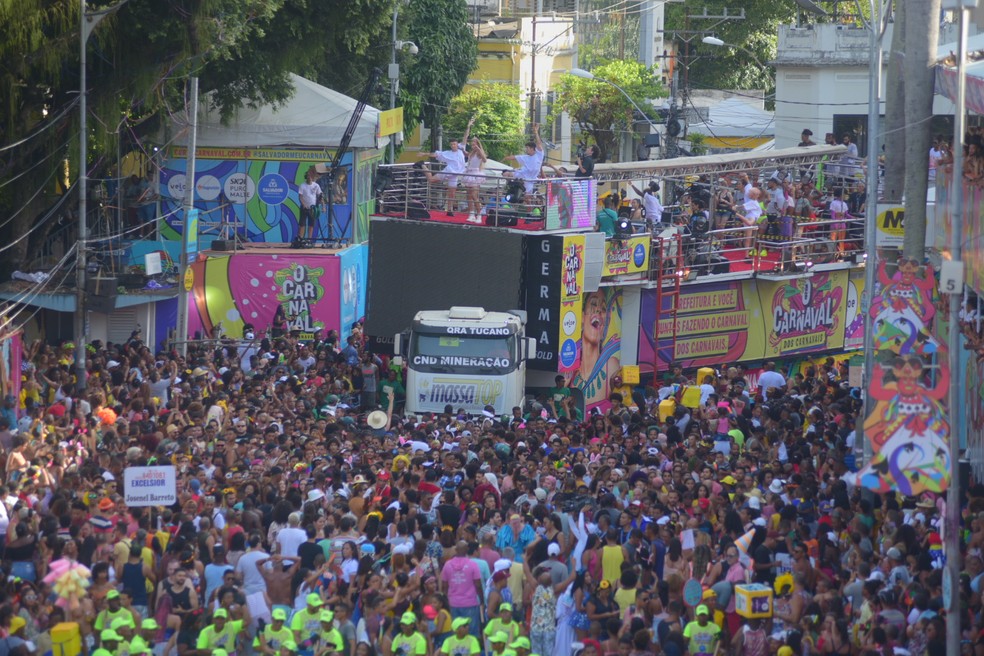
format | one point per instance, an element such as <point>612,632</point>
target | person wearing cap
<point>502,622</point>
<point>307,622</point>
<point>702,634</point>
<point>113,611</point>
<point>497,642</point>
<point>328,638</point>
<point>409,641</point>
<point>221,633</point>
<point>110,640</point>
<point>125,628</point>
<point>146,638</point>
<point>461,642</point>
<point>274,634</point>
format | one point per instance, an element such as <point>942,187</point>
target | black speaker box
<point>223,245</point>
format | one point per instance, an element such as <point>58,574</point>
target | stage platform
<point>506,219</point>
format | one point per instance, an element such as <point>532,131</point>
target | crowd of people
<point>313,517</point>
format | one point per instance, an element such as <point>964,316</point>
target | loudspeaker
<point>720,264</point>
<point>417,212</point>
<point>223,245</point>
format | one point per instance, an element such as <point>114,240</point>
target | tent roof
<point>734,117</point>
<point>313,116</point>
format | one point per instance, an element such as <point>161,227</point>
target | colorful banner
<point>854,314</point>
<point>247,288</point>
<point>255,190</point>
<point>724,323</point>
<point>390,122</point>
<point>598,345</point>
<point>626,256</point>
<point>354,265</point>
<point>973,228</point>
<point>907,424</point>
<point>571,203</point>
<point>542,268</point>
<point>571,288</point>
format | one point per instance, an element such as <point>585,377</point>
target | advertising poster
<point>353,267</point>
<point>973,228</point>
<point>571,289</point>
<point>256,189</point>
<point>542,269</point>
<point>854,316</point>
<point>150,486</point>
<point>245,288</point>
<point>907,426</point>
<point>599,346</point>
<point>724,323</point>
<point>890,226</point>
<point>626,256</point>
<point>571,203</point>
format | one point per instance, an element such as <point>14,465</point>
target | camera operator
<point>586,162</point>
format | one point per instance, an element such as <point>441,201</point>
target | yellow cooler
<point>753,600</point>
<point>66,639</point>
<point>666,409</point>
<point>702,372</point>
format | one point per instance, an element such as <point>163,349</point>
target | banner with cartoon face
<point>907,423</point>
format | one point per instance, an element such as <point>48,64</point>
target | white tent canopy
<point>313,116</point>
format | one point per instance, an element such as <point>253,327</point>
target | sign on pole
<point>150,486</point>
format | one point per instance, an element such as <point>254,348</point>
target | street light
<point>394,73</point>
<point>714,41</point>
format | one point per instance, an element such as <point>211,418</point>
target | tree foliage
<point>498,117</point>
<point>716,67</point>
<point>139,61</point>
<point>600,109</point>
<point>448,54</point>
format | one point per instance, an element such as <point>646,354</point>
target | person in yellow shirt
<point>329,639</point>
<point>274,635</point>
<point>410,641</point>
<point>221,634</point>
<point>143,642</point>
<point>503,623</point>
<point>461,643</point>
<point>307,622</point>
<point>497,643</point>
<point>124,627</point>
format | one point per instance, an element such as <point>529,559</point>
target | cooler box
<point>702,372</point>
<point>66,639</point>
<point>666,409</point>
<point>691,397</point>
<point>753,600</point>
<point>630,374</point>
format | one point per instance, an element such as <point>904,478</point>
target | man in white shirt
<point>290,538</point>
<point>309,193</point>
<point>530,163</point>
<point>650,202</point>
<point>454,166</point>
<point>770,379</point>
<point>247,570</point>
<point>751,215</point>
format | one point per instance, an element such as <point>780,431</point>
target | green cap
<point>314,599</point>
<point>460,622</point>
<point>702,610</point>
<point>408,618</point>
<point>279,614</point>
<point>327,616</point>
<point>499,637</point>
<point>521,642</point>
<point>109,634</point>
<point>221,613</point>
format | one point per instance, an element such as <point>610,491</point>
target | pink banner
<point>241,288</point>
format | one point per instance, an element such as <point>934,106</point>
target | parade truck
<point>467,358</point>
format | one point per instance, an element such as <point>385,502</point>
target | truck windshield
<point>493,356</point>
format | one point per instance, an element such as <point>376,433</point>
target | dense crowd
<point>314,517</point>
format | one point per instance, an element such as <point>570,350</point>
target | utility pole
<point>953,270</point>
<point>190,216</point>
<point>862,446</point>
<point>88,21</point>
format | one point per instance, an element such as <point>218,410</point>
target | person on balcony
<point>650,202</point>
<point>607,217</point>
<point>530,163</point>
<point>751,215</point>
<point>454,168</point>
<point>474,176</point>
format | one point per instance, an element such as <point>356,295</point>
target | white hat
<point>753,502</point>
<point>108,476</point>
<point>501,565</point>
<point>759,521</point>
<point>540,494</point>
<point>775,486</point>
<point>112,364</point>
<point>315,495</point>
<point>376,419</point>
<point>553,549</point>
<point>663,521</point>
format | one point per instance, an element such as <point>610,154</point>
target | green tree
<point>715,67</point>
<point>448,55</point>
<point>600,109</point>
<point>139,61</point>
<point>498,117</point>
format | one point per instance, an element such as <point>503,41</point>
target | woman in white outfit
<point>474,176</point>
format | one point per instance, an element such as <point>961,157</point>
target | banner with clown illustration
<point>907,420</point>
<point>241,288</point>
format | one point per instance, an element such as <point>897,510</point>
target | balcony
<point>823,45</point>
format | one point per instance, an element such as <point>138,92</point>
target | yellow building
<point>530,53</point>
